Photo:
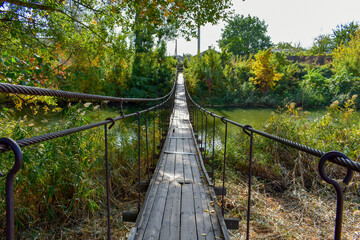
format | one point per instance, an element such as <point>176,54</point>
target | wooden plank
<point>188,223</point>
<point>157,212</point>
<point>199,210</point>
<point>160,173</point>
<point>188,176</point>
<point>211,223</point>
<point>179,168</point>
<point>146,210</point>
<point>170,227</point>
<point>132,233</point>
<point>172,145</point>
<point>169,171</point>
<point>208,214</point>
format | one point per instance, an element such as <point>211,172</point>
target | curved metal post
<point>251,135</point>
<point>9,186</point>
<point>224,167</point>
<point>336,185</point>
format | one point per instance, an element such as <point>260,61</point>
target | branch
<point>51,9</point>
<point>31,5</point>
<point>86,6</point>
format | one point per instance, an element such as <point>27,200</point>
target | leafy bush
<point>347,56</point>
<point>265,73</point>
<point>63,179</point>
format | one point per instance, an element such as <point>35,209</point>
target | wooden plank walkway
<point>180,202</point>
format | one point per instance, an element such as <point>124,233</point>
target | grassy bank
<point>290,200</point>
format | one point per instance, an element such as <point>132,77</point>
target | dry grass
<point>292,214</point>
<point>92,227</point>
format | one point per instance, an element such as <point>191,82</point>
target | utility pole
<point>199,40</point>
<point>175,48</point>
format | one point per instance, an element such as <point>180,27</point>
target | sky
<point>296,21</point>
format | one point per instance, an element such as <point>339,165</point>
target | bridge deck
<point>179,203</point>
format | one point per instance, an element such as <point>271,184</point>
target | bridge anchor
<point>232,223</point>
<point>219,191</point>
<point>129,216</point>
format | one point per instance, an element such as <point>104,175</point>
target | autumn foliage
<point>265,75</point>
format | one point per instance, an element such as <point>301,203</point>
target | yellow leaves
<point>94,22</point>
<point>95,62</point>
<point>266,76</point>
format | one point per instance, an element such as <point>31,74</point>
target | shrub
<point>265,73</point>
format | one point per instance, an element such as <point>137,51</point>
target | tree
<point>347,56</point>
<point>244,35</point>
<point>342,34</point>
<point>78,45</point>
<point>289,48</point>
<point>323,44</point>
<point>264,70</point>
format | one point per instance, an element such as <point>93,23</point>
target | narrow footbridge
<point>181,201</point>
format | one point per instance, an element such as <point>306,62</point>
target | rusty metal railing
<point>7,144</point>
<point>335,157</point>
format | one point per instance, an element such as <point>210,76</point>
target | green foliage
<point>83,45</point>
<point>221,78</point>
<point>153,74</point>
<point>347,56</point>
<point>244,35</point>
<point>289,48</point>
<point>337,129</point>
<point>323,44</point>
<point>63,180</point>
<point>344,33</point>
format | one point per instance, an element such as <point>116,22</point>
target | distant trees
<point>341,35</point>
<point>244,35</point>
<point>323,44</point>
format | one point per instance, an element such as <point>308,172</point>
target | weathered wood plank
<point>146,210</point>
<point>170,227</point>
<point>188,175</point>
<point>188,223</point>
<point>157,212</point>
<point>169,171</point>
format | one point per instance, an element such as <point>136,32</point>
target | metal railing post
<point>139,159</point>
<point>108,177</point>
<point>202,129</point>
<point>213,152</point>
<point>224,167</point>
<point>154,138</point>
<point>206,125</point>
<point>147,146</point>
<point>251,135</point>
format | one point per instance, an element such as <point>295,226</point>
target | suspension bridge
<point>181,201</point>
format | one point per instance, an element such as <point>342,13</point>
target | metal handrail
<point>333,156</point>
<point>26,90</point>
<point>7,144</point>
